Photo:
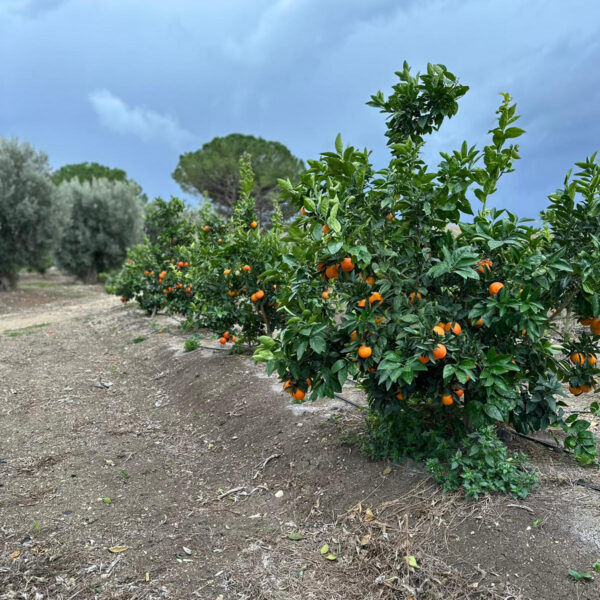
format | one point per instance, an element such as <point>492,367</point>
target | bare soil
<point>195,469</point>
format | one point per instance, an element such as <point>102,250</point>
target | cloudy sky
<point>134,83</point>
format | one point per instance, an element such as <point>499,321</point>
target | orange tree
<point>445,316</point>
<point>237,273</point>
<point>152,272</point>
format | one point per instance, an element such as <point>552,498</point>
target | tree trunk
<point>8,281</point>
<point>91,276</point>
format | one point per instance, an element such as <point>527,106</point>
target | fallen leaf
<point>15,554</point>
<point>118,549</point>
<point>331,557</point>
<point>369,516</point>
<point>147,576</point>
<point>110,462</point>
<point>324,548</point>
<point>365,539</point>
<point>387,470</point>
<point>295,535</point>
<point>106,500</point>
<point>187,550</point>
<point>412,562</point>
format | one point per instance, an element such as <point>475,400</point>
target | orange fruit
<point>575,390</point>
<point>362,303</point>
<point>370,280</point>
<point>478,323</point>
<point>253,298</point>
<point>165,291</point>
<point>458,391</point>
<point>298,394</point>
<point>354,335</point>
<point>415,295</point>
<point>254,224</point>
<point>206,228</point>
<point>325,229</point>
<point>447,399</point>
<point>390,217</point>
<point>179,286</point>
<point>365,351</point>
<point>332,272</point>
<point>180,264</point>
<point>247,268</point>
<point>595,326</point>
<point>439,352</point>
<point>325,294</point>
<point>375,297</point>
<point>347,265</point>
<point>399,396</point>
<point>439,330</point>
<point>454,327</point>
<point>303,211</point>
<point>321,267</point>
<point>495,288</point>
<point>231,293</point>
<point>523,331</point>
<point>226,335</point>
<point>586,321</point>
<point>308,381</point>
<point>233,338</point>
<point>259,294</point>
<point>223,340</point>
<point>378,319</point>
<point>287,384</point>
<point>591,358</point>
<point>226,271</point>
<point>577,358</point>
<point>424,359</point>
<point>586,389</point>
<point>220,241</point>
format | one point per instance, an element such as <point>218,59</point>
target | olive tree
<point>29,212</point>
<point>104,219</point>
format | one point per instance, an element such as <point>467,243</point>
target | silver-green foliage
<point>29,211</point>
<point>104,219</point>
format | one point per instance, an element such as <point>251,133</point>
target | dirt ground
<point>131,469</point>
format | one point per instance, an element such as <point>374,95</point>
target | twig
<point>587,484</point>
<point>350,402</point>
<point>521,506</point>
<point>273,456</point>
<point>232,491</point>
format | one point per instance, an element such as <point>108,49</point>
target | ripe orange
<point>595,326</point>
<point>591,358</point>
<point>390,217</point>
<point>226,271</point>
<point>179,286</point>
<point>399,396</point>
<point>308,381</point>
<point>415,295</point>
<point>576,391</point>
<point>303,211</point>
<point>439,330</point>
<point>439,352</point>
<point>254,224</point>
<point>325,229</point>
<point>223,340</point>
<point>287,384</point>
<point>165,291</point>
<point>454,327</point>
<point>375,297</point>
<point>577,358</point>
<point>220,240</point>
<point>299,394</point>
<point>253,298</point>
<point>447,399</point>
<point>586,389</point>
<point>233,338</point>
<point>354,335</point>
<point>332,272</point>
<point>586,321</point>
<point>325,294</point>
<point>231,293</point>
<point>424,359</point>
<point>259,294</point>
<point>226,335</point>
<point>321,267</point>
<point>370,280</point>
<point>378,319</point>
<point>347,265</point>
<point>123,299</point>
<point>458,391</point>
<point>180,264</point>
<point>247,268</point>
<point>495,288</point>
<point>478,323</point>
<point>365,351</point>
<point>362,303</point>
<point>206,228</point>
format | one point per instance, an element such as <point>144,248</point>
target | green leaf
<point>324,549</point>
<point>295,535</point>
<point>318,344</point>
<point>412,562</point>
<point>493,412</point>
<point>339,146</point>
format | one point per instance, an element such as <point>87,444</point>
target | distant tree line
<point>83,217</point>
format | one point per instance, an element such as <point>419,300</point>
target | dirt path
<point>110,436</point>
